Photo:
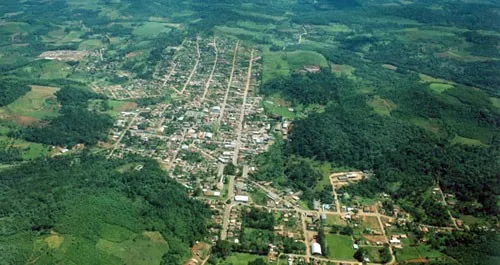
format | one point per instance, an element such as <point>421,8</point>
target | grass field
<point>334,220</point>
<point>371,222</point>
<point>439,87</point>
<point>259,198</point>
<point>495,102</point>
<point>241,259</point>
<point>29,150</point>
<point>340,247</point>
<point>142,249</point>
<point>382,106</point>
<point>412,253</point>
<point>344,69</point>
<point>467,141</point>
<point>277,64</point>
<point>37,104</point>
<point>276,105</point>
<point>148,29</point>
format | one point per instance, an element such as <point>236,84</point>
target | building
<point>241,198</point>
<point>316,249</point>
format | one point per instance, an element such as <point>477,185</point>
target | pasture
<point>340,247</point>
<point>37,104</point>
<point>241,259</point>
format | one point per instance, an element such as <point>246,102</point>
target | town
<point>207,135</point>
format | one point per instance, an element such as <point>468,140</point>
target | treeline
<point>11,90</point>
<point>312,88</point>
<point>79,195</point>
<point>421,58</point>
<point>75,123</point>
<point>467,15</point>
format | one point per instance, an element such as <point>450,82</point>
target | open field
<point>241,259</point>
<point>29,150</point>
<point>148,29</point>
<point>439,87</point>
<point>37,104</point>
<point>340,247</point>
<point>420,252</point>
<point>278,64</point>
<point>371,222</point>
<point>467,141</point>
<point>382,106</point>
<point>334,220</point>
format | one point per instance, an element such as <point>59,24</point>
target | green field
<point>241,259</point>
<point>29,150</point>
<point>382,106</point>
<point>150,29</point>
<point>439,87</point>
<point>259,198</point>
<point>278,64</point>
<point>276,109</point>
<point>39,103</point>
<point>340,247</point>
<point>467,141</point>
<point>411,253</point>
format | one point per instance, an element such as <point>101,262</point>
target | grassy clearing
<point>277,64</point>
<point>116,106</point>
<point>148,29</point>
<point>495,102</point>
<point>335,28</point>
<point>340,247</point>
<point>430,79</point>
<point>344,69</point>
<point>278,106</point>
<point>241,259</point>
<point>55,70</point>
<point>139,250</point>
<point>381,106</point>
<point>419,252</point>
<point>325,169</point>
<point>371,222</point>
<point>467,141</point>
<point>29,150</point>
<point>254,26</point>
<point>334,220</point>
<point>439,87</point>
<point>39,103</point>
<point>90,45</point>
<point>259,198</point>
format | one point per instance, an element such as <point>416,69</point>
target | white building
<point>316,249</point>
<point>241,198</point>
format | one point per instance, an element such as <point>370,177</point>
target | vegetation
<point>77,212</point>
<point>10,91</point>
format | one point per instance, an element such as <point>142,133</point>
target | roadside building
<point>316,249</point>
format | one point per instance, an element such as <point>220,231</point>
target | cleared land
<point>37,104</point>
<point>339,247</point>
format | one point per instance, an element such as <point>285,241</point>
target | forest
<point>75,123</point>
<point>11,90</point>
<point>77,196</point>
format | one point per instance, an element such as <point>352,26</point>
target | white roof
<point>316,248</point>
<point>241,198</point>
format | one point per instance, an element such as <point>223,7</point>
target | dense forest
<point>79,196</point>
<point>11,90</point>
<point>75,123</point>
